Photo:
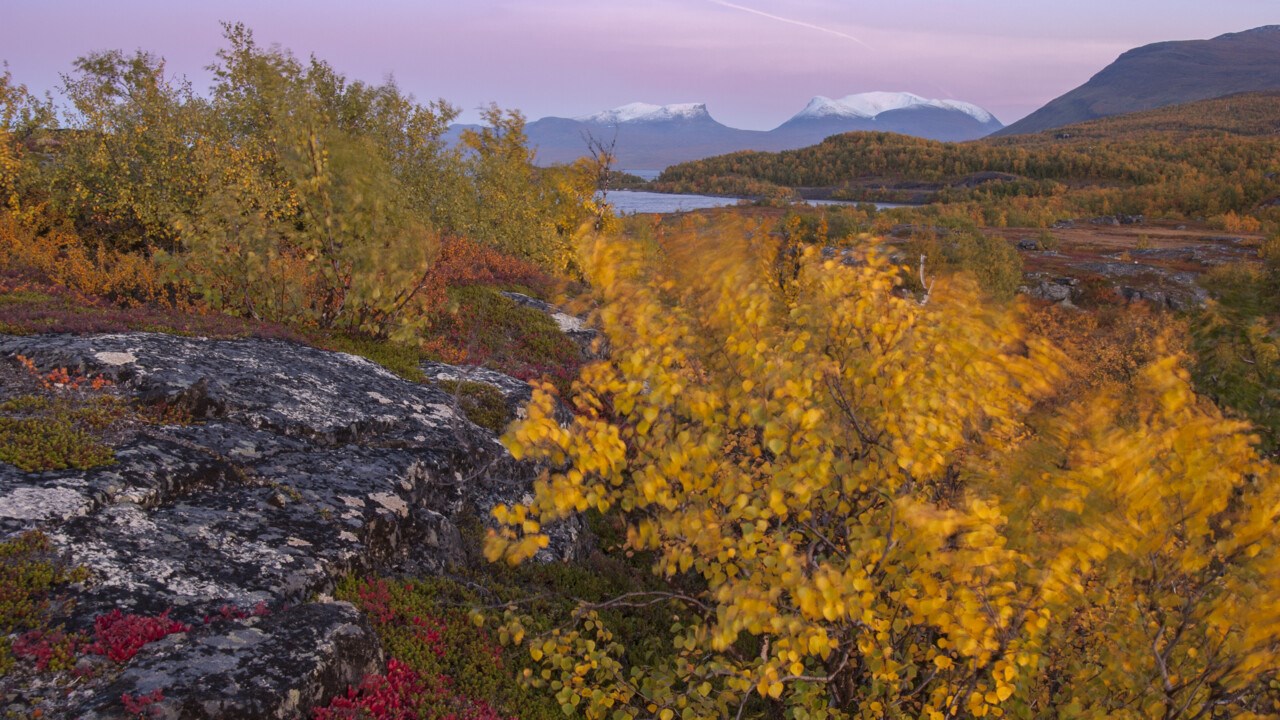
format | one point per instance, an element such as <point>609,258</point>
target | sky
<point>754,63</point>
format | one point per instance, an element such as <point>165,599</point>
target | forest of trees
<point>839,484</point>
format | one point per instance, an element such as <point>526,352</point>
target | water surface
<point>626,202</point>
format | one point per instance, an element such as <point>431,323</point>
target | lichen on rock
<point>301,466</point>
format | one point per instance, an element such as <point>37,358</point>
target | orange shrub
<point>59,257</point>
<point>1108,345</point>
<point>464,262</point>
<point>1234,223</point>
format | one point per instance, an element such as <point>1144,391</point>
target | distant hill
<point>651,137</point>
<point>1167,73</point>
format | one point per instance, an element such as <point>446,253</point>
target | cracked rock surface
<point>302,466</point>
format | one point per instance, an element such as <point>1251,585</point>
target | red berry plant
<point>443,667</point>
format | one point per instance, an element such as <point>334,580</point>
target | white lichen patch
<point>246,451</point>
<point>31,503</point>
<point>297,542</point>
<point>379,397</point>
<point>392,502</point>
<point>347,537</point>
<point>441,411</point>
<point>137,496</point>
<point>568,323</point>
<point>350,501</point>
<point>116,358</point>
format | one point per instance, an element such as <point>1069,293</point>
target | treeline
<point>287,192</point>
<point>1137,165</point>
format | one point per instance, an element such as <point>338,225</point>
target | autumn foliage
<point>857,520</point>
<point>289,193</point>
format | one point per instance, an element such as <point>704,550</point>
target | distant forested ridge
<point>1170,160</point>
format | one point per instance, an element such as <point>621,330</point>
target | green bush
<point>1237,353</point>
<point>992,261</point>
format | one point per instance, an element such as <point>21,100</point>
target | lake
<point>626,202</point>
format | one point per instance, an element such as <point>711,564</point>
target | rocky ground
<point>1159,262</point>
<point>292,467</point>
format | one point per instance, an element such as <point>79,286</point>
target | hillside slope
<point>1166,73</point>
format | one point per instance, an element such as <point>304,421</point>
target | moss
<point>69,421</point>
<point>482,404</point>
<point>35,444</point>
<point>24,297</point>
<point>26,404</point>
<point>401,359</point>
<point>99,412</point>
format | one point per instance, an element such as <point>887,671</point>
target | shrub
<point>120,636</point>
<point>442,662</point>
<point>836,475</point>
<point>463,262</point>
<point>36,444</point>
<point>30,573</point>
<point>405,693</point>
<point>60,257</point>
<point>991,260</point>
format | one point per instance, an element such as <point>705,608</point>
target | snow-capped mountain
<point>650,137</point>
<point>644,112</point>
<point>643,135</point>
<point>872,104</point>
<point>900,112</point>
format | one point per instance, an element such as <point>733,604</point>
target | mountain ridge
<point>650,136</point>
<point>1161,74</point>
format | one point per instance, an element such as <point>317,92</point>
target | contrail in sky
<point>801,23</point>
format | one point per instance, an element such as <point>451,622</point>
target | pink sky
<point>754,62</point>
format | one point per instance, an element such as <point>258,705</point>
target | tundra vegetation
<point>824,479</point>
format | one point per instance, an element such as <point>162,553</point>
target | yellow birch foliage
<point>835,479</point>
<point>1164,591</point>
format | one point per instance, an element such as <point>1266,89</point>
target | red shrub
<point>402,693</point>
<point>235,612</point>
<point>120,636</point>
<point>141,706</point>
<point>51,649</point>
